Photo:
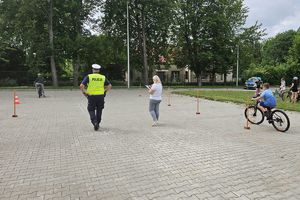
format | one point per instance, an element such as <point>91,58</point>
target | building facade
<point>181,75</point>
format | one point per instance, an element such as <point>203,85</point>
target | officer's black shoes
<point>96,126</point>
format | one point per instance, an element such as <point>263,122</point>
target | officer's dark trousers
<point>95,107</point>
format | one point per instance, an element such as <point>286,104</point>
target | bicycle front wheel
<point>254,115</point>
<point>280,120</point>
<point>40,93</point>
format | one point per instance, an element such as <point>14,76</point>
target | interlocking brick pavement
<point>52,152</point>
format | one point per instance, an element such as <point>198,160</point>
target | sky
<point>275,15</point>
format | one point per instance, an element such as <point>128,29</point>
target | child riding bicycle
<point>268,101</point>
<point>258,87</point>
<point>39,82</point>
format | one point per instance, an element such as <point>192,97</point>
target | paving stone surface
<point>52,152</point>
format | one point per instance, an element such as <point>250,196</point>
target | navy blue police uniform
<point>95,95</point>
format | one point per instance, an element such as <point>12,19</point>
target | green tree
<point>13,70</point>
<point>71,32</point>
<point>279,58</point>
<point>26,26</point>
<point>276,49</point>
<point>150,22</point>
<point>46,30</point>
<point>109,52</point>
<point>250,46</point>
<point>206,33</point>
<point>295,48</point>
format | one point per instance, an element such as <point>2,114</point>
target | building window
<point>186,75</point>
<point>175,76</point>
<point>162,76</point>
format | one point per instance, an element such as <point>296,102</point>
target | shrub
<point>273,74</point>
<point>8,82</point>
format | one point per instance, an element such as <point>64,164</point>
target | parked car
<point>251,82</point>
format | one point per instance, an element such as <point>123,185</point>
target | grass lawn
<point>239,97</point>
<point>204,87</point>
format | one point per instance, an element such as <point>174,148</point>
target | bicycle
<point>276,117</point>
<point>289,96</point>
<point>282,94</point>
<point>39,89</point>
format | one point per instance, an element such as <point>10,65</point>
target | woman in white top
<point>282,85</point>
<point>155,98</point>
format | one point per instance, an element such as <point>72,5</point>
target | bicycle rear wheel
<point>40,92</point>
<point>289,96</point>
<point>280,120</point>
<point>254,115</point>
<point>283,96</point>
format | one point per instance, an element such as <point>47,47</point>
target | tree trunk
<point>52,61</point>
<point>199,79</point>
<point>225,77</point>
<point>76,66</point>
<point>145,61</point>
<point>213,78</point>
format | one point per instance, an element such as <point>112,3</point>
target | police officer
<point>94,87</point>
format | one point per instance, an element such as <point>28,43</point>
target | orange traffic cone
<point>247,125</point>
<point>198,102</point>
<point>169,97</point>
<point>16,101</point>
